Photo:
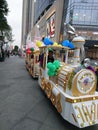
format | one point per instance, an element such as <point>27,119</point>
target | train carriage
<point>32,62</point>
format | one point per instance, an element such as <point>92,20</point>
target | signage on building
<point>28,39</point>
<point>51,26</point>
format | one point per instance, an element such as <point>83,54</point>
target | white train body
<point>73,93</point>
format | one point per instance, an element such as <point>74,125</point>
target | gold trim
<point>89,114</point>
<point>94,111</point>
<point>97,111</point>
<point>80,99</point>
<point>85,113</point>
<point>48,89</point>
<point>64,86</point>
<point>43,83</point>
<point>51,46</point>
<point>53,99</point>
<point>79,41</point>
<point>59,106</point>
<point>81,114</point>
<point>76,92</point>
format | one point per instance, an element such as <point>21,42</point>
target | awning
<point>91,43</point>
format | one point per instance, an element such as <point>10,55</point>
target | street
<point>23,105</point>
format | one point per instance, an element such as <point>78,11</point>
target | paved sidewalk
<point>23,105</point>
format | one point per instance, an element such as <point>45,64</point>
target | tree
<point>8,35</point>
<point>4,26</point>
<point>3,8</point>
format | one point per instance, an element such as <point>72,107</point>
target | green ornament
<point>32,49</point>
<point>50,73</point>
<point>49,65</point>
<point>52,68</point>
<point>57,64</point>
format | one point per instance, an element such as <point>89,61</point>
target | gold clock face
<point>85,81</point>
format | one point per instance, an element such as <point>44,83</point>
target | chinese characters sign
<point>51,26</point>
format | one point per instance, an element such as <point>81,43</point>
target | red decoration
<point>28,51</point>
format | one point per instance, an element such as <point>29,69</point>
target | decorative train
<point>71,88</point>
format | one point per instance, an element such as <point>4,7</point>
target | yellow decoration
<point>55,44</point>
<point>90,123</point>
<point>38,43</point>
<point>78,116</point>
<point>75,101</point>
<point>93,111</point>
<point>94,98</point>
<point>59,45</point>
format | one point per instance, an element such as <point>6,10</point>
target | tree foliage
<point>5,28</point>
<point>8,35</point>
<point>3,8</point>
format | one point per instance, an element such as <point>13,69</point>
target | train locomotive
<point>71,90</point>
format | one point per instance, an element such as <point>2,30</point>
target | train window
<point>50,56</point>
<point>42,59</point>
<point>56,54</point>
<point>70,56</point>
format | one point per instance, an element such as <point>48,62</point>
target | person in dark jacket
<point>50,56</point>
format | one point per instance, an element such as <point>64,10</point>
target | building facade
<point>51,15</point>
<point>50,20</point>
<point>27,19</point>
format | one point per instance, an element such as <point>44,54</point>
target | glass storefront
<point>39,7</point>
<point>83,14</point>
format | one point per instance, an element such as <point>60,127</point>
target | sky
<point>15,19</point>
